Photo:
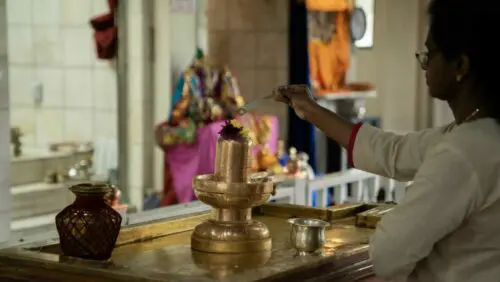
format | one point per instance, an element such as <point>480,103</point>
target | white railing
<point>292,192</point>
<point>364,187</point>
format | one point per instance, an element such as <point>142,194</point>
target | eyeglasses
<point>423,58</point>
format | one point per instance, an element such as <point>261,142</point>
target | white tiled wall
<point>5,197</point>
<point>51,43</point>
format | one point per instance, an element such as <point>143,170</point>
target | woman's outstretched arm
<point>334,126</point>
<point>369,148</point>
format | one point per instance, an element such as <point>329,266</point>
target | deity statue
<point>260,133</point>
<point>202,95</point>
<point>292,167</point>
<point>305,169</point>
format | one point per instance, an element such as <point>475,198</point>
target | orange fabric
<point>329,5</point>
<point>329,61</point>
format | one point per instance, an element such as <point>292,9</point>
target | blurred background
<point>133,92</point>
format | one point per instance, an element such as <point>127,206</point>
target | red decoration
<point>106,33</point>
<point>89,227</point>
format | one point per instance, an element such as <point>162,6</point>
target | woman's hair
<point>464,27</point>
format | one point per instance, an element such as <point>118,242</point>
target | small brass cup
<point>307,235</point>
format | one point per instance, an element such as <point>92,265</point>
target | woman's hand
<point>299,97</point>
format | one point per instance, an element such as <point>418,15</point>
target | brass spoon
<point>245,108</point>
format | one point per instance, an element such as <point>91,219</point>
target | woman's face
<point>440,73</point>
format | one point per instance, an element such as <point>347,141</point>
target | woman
<point>445,229</point>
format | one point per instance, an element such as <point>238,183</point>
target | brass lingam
<point>232,191</point>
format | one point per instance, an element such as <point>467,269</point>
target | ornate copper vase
<point>88,228</point>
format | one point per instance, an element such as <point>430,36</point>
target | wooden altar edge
<point>356,267</point>
<point>36,261</point>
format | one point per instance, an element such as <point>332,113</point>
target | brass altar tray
<point>370,218</point>
<point>160,251</point>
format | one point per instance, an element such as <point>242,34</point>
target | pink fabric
<point>187,161</point>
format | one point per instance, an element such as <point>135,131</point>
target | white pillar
<point>162,78</point>
<point>5,196</point>
<point>137,96</point>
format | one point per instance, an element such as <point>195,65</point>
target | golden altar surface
<point>160,251</point>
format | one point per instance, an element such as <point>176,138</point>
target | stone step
<point>34,224</point>
<point>34,165</point>
<point>39,199</point>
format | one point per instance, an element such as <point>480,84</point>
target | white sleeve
<point>391,155</point>
<point>408,233</point>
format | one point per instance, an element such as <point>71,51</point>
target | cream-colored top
<point>447,228</point>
